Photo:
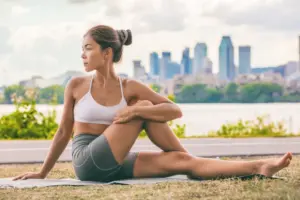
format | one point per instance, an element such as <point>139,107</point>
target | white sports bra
<point>89,111</point>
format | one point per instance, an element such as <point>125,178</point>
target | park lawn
<point>225,189</point>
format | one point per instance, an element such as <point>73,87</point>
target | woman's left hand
<point>124,115</point>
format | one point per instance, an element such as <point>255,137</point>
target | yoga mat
<point>30,183</point>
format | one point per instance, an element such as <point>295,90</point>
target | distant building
<point>138,69</point>
<point>244,60</point>
<point>200,53</point>
<point>207,66</point>
<point>40,82</point>
<point>267,77</point>
<point>172,69</point>
<point>290,68</point>
<point>278,69</point>
<point>154,64</point>
<point>164,62</point>
<point>226,59</point>
<point>186,62</point>
<point>2,92</point>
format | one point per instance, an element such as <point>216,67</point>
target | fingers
<point>19,177</point>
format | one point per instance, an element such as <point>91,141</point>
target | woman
<point>106,126</point>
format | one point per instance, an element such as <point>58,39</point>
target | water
<point>202,118</point>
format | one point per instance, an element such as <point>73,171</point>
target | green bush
<point>179,130</point>
<point>27,123</point>
<point>252,128</point>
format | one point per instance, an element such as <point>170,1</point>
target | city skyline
<point>53,39</point>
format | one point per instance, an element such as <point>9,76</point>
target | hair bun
<point>125,36</point>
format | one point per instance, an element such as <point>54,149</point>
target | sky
<point>45,37</point>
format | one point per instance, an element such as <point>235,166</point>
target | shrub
<point>27,123</point>
<point>255,128</point>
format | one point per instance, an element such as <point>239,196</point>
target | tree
<point>12,92</point>
<point>52,94</point>
<point>231,92</point>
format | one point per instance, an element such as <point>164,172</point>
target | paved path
<point>36,151</point>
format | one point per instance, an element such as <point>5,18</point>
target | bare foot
<point>272,166</point>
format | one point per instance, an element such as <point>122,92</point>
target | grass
<point>225,189</point>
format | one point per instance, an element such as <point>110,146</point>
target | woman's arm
<point>162,110</point>
<point>64,132</point>
<point>61,137</point>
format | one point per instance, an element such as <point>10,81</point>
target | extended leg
<point>150,164</point>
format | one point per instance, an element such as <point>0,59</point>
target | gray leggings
<point>93,159</point>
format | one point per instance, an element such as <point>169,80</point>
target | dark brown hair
<point>106,37</point>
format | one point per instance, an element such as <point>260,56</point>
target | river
<point>201,118</point>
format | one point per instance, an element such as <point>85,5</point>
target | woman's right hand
<point>29,175</point>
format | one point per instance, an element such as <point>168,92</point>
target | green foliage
<point>260,92</point>
<point>255,128</point>
<point>248,93</point>
<point>156,88</point>
<point>171,97</point>
<point>53,95</point>
<point>198,93</point>
<point>179,130</point>
<point>27,123</point>
<point>11,92</point>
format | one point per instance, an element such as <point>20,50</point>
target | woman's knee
<point>181,156</point>
<point>181,161</point>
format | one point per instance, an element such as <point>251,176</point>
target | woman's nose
<point>83,55</point>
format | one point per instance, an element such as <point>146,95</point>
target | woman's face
<point>93,56</point>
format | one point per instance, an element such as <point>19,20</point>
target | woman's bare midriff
<point>81,128</point>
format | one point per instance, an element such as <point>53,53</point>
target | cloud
<point>81,1</point>
<point>274,15</point>
<point>18,10</point>
<point>154,16</point>
<point>4,37</point>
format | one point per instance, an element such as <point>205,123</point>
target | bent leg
<point>160,133</point>
<point>162,136</point>
<point>121,138</point>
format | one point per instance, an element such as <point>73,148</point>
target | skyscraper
<point>154,64</point>
<point>166,55</point>
<point>200,53</point>
<point>186,61</point>
<point>165,60</point>
<point>226,59</point>
<point>244,59</point>
<point>173,68</point>
<point>138,69</point>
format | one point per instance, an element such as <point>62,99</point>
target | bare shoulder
<point>132,83</point>
<point>77,81</point>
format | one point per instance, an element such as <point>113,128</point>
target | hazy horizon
<point>44,38</point>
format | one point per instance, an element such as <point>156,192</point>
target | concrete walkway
<point>23,151</point>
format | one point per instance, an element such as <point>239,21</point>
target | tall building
<point>138,69</point>
<point>154,64</point>
<point>244,59</point>
<point>200,53</point>
<point>186,61</point>
<point>166,55</point>
<point>226,59</point>
<point>164,62</point>
<point>173,69</point>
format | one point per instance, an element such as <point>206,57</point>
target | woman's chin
<point>87,69</point>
